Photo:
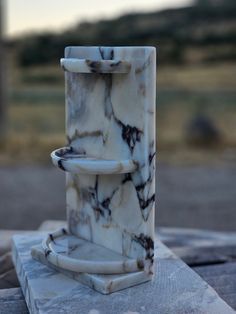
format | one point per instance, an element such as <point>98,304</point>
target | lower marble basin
<point>75,254</point>
<point>66,159</point>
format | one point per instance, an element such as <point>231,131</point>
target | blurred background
<point>196,103</point>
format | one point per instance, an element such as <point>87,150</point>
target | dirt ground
<point>187,196</point>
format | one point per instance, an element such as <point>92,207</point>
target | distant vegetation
<point>196,92</point>
<point>205,32</point>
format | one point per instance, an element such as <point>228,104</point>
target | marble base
<point>175,288</point>
<point>105,284</point>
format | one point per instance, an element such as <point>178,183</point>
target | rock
<point>201,131</point>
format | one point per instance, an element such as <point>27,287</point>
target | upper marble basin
<point>94,66</point>
<point>66,159</point>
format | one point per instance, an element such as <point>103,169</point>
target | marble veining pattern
<point>111,116</point>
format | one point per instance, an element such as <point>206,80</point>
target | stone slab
<point>175,288</point>
<point>12,301</point>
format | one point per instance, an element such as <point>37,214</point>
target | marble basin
<point>68,160</point>
<point>82,256</point>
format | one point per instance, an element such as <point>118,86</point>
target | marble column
<point>109,161</point>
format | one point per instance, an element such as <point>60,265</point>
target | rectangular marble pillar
<point>110,116</point>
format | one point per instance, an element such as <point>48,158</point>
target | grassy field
<point>36,111</point>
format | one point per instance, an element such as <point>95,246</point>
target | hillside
<point>196,74</point>
<point>197,34</point>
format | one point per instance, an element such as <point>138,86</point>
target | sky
<point>37,15</point>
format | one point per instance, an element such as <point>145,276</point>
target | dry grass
<point>29,148</point>
<point>47,119</point>
<point>198,77</point>
<point>36,112</point>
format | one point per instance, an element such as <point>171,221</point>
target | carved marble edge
<point>94,66</point>
<point>82,164</point>
<point>125,265</point>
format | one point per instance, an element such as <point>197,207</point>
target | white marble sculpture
<point>110,166</point>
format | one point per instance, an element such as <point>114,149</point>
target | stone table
<point>176,288</point>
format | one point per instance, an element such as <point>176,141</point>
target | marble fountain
<point>109,162</point>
